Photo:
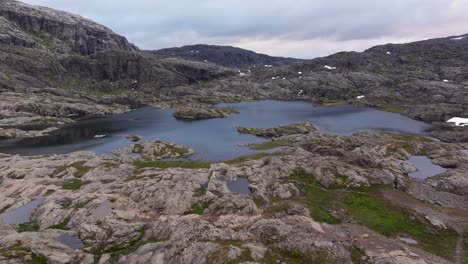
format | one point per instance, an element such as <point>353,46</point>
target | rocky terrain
<point>303,197</point>
<point>54,53</point>
<point>320,199</point>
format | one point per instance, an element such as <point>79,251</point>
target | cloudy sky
<point>300,28</point>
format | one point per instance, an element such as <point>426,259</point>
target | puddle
<point>407,240</point>
<point>71,241</point>
<point>241,185</point>
<point>425,167</point>
<point>22,214</point>
<point>100,212</point>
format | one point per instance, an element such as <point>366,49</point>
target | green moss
<point>62,225</point>
<point>332,102</point>
<point>15,251</point>
<point>392,108</point>
<point>270,144</point>
<point>118,251</point>
<point>28,227</point>
<point>319,201</point>
<point>293,256</point>
<point>197,208</point>
<point>49,192</point>
<point>377,213</point>
<point>200,192</point>
<point>79,166</point>
<point>186,164</point>
<point>74,184</point>
<point>256,156</point>
<point>37,259</point>
<point>408,137</point>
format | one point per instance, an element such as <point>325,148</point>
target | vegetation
<point>80,169</point>
<point>392,108</point>
<point>62,225</point>
<point>248,157</point>
<point>186,164</point>
<point>379,215</point>
<point>318,200</point>
<point>368,206</point>
<point>74,184</point>
<point>408,137</point>
<point>270,144</point>
<point>197,209</point>
<point>28,227</point>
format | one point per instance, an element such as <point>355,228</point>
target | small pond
<point>71,241</point>
<point>425,167</point>
<point>240,185</point>
<point>21,214</point>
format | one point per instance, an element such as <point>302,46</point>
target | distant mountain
<point>224,55</point>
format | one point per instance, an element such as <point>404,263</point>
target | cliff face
<point>34,26</point>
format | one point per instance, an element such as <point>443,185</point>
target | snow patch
<point>100,136</point>
<point>329,67</point>
<point>299,73</point>
<point>445,80</point>
<point>360,96</point>
<point>268,66</point>
<point>389,53</point>
<point>458,38</point>
<point>459,121</point>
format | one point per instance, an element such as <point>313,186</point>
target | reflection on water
<point>213,139</point>
<point>240,185</point>
<point>425,167</point>
<point>71,241</point>
<point>21,214</point>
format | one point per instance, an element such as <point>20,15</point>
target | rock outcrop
<point>197,113</point>
<point>34,26</point>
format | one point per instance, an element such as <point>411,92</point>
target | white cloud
<point>300,28</point>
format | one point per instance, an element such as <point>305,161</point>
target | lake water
<point>425,167</point>
<point>212,139</point>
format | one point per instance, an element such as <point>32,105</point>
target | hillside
<point>224,55</point>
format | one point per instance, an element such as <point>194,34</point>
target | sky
<point>299,28</point>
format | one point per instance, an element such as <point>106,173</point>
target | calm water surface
<point>212,139</point>
<point>425,167</point>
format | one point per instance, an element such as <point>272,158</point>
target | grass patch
<point>117,252</point>
<point>15,251</point>
<point>392,108</point>
<point>37,259</point>
<point>197,208</point>
<point>292,256</point>
<point>270,145</point>
<point>27,227</point>
<point>377,213</point>
<point>185,164</point>
<point>49,192</point>
<point>332,102</point>
<point>255,156</point>
<point>74,184</point>
<point>408,137</point>
<point>62,225</point>
<point>79,166</point>
<point>319,201</point>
